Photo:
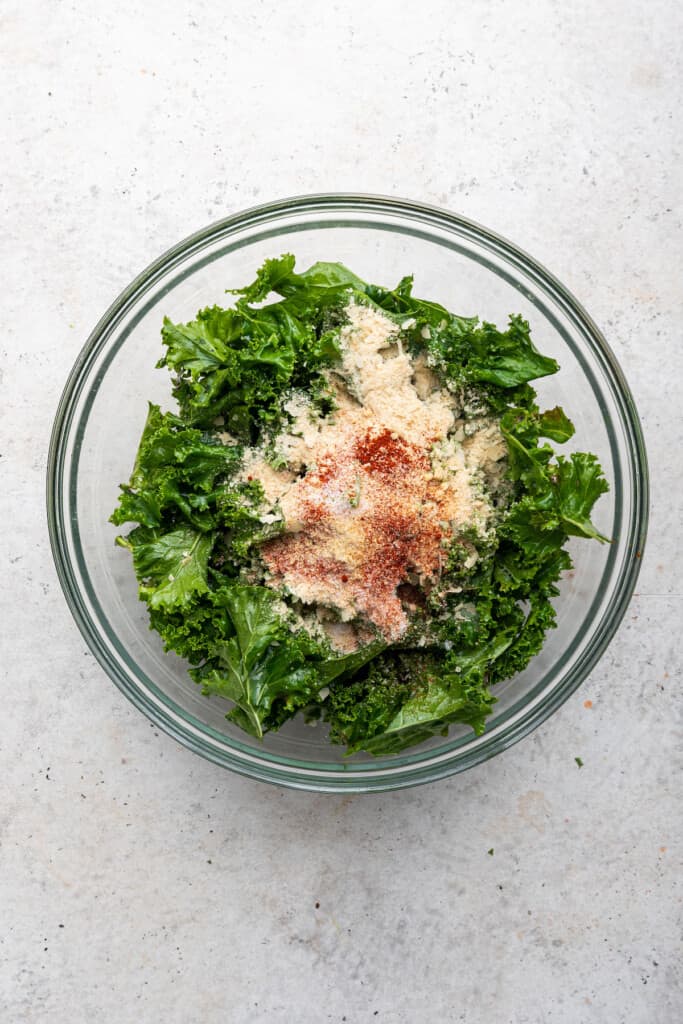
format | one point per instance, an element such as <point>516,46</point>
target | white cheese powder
<point>334,505</point>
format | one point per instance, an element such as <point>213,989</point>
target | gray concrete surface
<point>138,883</point>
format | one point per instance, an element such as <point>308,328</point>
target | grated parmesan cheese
<point>372,492</point>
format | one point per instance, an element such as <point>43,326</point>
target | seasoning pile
<point>372,493</point>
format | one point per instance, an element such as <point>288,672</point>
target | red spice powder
<point>313,511</point>
<point>384,452</point>
<point>326,468</point>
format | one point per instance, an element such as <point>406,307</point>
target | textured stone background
<point>138,883</point>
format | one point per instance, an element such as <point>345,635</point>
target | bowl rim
<point>318,778</point>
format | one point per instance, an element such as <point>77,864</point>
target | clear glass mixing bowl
<point>468,269</point>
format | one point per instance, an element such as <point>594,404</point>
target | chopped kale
<point>199,526</point>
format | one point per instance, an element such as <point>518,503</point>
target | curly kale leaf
<point>528,639</point>
<point>464,349</point>
<point>557,497</point>
<point>261,664</point>
<point>171,567</point>
<point>237,363</point>
<point>321,283</point>
<point>577,485</point>
<point>401,303</point>
<point>232,364</point>
<point>553,423</point>
<point>268,671</point>
<point>363,707</point>
<point>407,697</point>
<point>182,487</point>
<point>506,358</point>
<point>177,474</point>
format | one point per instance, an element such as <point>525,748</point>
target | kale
<point>198,525</point>
<point>407,696</point>
<point>236,363</point>
<point>177,475</point>
<point>364,706</point>
<point>171,566</point>
<point>464,349</point>
<point>262,668</point>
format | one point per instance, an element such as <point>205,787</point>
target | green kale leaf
<point>237,363</point>
<point>406,697</point>
<point>262,665</point>
<point>506,358</point>
<point>177,473</point>
<point>403,305</point>
<point>360,708</point>
<point>553,423</point>
<point>232,363</point>
<point>171,567</point>
<point>464,349</point>
<point>307,289</point>
<point>577,485</point>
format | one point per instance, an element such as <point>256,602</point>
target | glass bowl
<point>469,270</point>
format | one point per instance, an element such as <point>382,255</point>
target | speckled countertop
<point>138,883</point>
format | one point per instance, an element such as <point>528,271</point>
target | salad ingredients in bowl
<point>357,512</point>
<point>223,562</point>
